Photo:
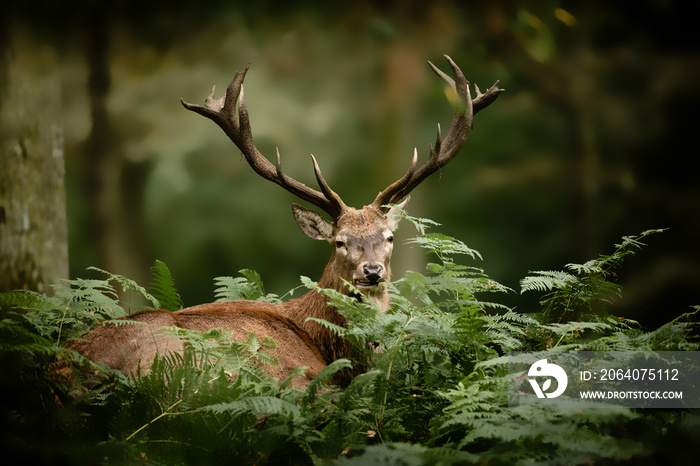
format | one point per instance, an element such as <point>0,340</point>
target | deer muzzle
<point>372,274</point>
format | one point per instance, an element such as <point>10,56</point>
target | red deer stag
<point>361,241</point>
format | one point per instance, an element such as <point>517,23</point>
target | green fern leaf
<point>547,280</point>
<point>163,287</point>
<point>259,406</point>
<point>25,299</point>
<point>337,329</point>
<point>126,284</point>
<point>249,286</point>
<point>325,375</point>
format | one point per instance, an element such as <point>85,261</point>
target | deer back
<point>293,346</point>
<point>128,347</point>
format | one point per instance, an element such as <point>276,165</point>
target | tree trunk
<point>33,230</point>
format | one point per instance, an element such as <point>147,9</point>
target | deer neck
<point>314,304</point>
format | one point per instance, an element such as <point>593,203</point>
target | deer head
<point>362,239</point>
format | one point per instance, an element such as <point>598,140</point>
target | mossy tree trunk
<point>33,231</point>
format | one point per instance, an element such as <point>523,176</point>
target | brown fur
<point>294,347</point>
<point>126,347</point>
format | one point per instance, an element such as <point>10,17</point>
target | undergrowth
<point>434,391</point>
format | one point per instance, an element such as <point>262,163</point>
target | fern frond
<point>547,280</point>
<point>337,329</point>
<point>163,287</point>
<point>325,375</point>
<point>17,338</point>
<point>258,406</point>
<point>298,372</point>
<point>443,245</point>
<point>229,288</point>
<point>126,284</point>
<point>420,224</point>
<point>249,286</point>
<point>26,300</point>
<point>587,268</point>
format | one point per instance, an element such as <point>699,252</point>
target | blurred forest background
<point>593,139</point>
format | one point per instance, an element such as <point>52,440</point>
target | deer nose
<point>373,272</point>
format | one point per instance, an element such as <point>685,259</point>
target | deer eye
<point>339,244</point>
<point>390,239</point>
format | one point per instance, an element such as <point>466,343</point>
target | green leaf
<point>163,287</point>
<point>249,286</point>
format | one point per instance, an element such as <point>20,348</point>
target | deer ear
<point>394,214</point>
<point>312,224</point>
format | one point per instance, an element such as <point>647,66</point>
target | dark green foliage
<point>587,288</point>
<point>433,390</point>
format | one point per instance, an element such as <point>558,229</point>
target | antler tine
<point>398,185</point>
<point>222,111</point>
<point>336,202</point>
<point>445,149</point>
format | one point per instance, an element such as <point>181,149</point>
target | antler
<point>445,149</point>
<point>222,111</point>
